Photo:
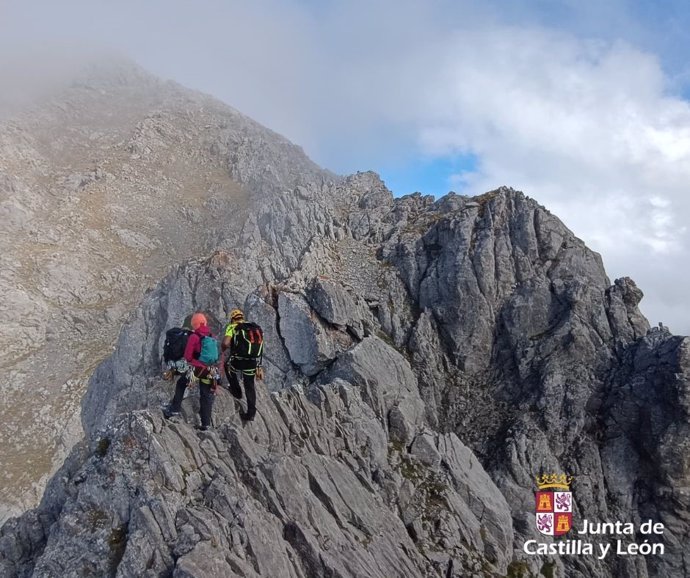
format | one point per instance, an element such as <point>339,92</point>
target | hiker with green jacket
<point>243,347</point>
<point>202,369</point>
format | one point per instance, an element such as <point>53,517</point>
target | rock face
<point>311,488</point>
<point>102,190</point>
<point>426,361</point>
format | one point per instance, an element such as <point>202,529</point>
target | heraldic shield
<point>554,515</point>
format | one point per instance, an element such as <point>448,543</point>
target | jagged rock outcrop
<point>427,358</point>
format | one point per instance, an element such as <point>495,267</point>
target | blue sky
<point>427,174</point>
<point>583,105</point>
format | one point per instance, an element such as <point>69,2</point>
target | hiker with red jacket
<point>201,353</point>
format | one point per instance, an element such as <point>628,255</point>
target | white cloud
<point>587,129</point>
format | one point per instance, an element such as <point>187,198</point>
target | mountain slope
<point>102,189</point>
<point>428,360</point>
<point>371,419</point>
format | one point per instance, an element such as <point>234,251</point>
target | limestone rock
<point>311,344</point>
<point>387,383</point>
<point>426,359</point>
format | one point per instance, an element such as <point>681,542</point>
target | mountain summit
<point>427,362</point>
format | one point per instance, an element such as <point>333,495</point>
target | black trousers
<point>248,370</point>
<point>206,398</point>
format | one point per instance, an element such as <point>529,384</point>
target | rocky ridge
<point>102,189</point>
<point>427,360</point>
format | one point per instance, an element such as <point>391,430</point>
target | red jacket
<point>193,348</point>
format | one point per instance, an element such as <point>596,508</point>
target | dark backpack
<point>175,343</point>
<point>210,353</point>
<point>247,341</point>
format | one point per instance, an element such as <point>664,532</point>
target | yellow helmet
<point>236,315</point>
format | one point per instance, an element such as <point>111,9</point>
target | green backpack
<point>210,355</point>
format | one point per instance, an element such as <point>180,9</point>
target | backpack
<point>247,341</point>
<point>209,351</point>
<point>175,343</point>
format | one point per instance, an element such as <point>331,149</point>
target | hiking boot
<point>168,412</point>
<point>202,427</point>
<point>246,417</point>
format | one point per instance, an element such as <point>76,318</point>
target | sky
<point>584,105</point>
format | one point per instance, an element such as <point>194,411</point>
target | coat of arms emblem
<point>554,515</point>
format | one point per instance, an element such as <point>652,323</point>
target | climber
<point>201,353</point>
<point>243,344</point>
